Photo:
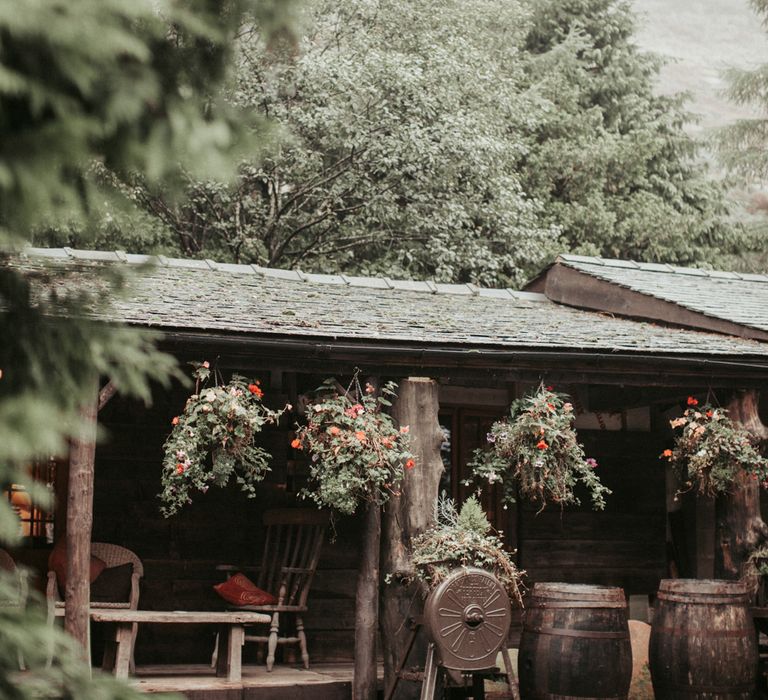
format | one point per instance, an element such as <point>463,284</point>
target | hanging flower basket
<point>213,439</point>
<point>711,450</point>
<point>463,538</point>
<point>535,452</point>
<point>356,452</point>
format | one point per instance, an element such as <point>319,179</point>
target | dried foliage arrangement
<point>356,452</point>
<point>535,452</point>
<point>711,450</point>
<point>464,538</point>
<point>213,439</point>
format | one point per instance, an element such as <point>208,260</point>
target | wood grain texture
<point>408,515</point>
<point>80,522</point>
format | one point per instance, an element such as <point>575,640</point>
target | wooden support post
<point>739,526</point>
<point>405,516</point>
<point>79,523</point>
<point>367,607</point>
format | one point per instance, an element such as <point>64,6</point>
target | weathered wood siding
<point>624,545</point>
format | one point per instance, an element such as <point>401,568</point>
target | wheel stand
<point>432,669</point>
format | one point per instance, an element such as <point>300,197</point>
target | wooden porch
<point>323,681</point>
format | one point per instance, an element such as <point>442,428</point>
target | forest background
<point>466,142</point>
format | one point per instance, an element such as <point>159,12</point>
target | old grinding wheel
<point>468,617</point>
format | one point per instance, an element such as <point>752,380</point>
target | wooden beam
<point>739,527</point>
<point>106,393</point>
<point>407,515</point>
<point>79,523</point>
<point>367,600</point>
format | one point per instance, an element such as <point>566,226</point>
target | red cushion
<point>57,563</point>
<point>240,590</point>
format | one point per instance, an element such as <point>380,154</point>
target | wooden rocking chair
<point>292,546</point>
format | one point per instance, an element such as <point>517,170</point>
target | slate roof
<point>731,296</point>
<point>196,295</point>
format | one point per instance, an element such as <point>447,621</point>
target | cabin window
<point>35,523</point>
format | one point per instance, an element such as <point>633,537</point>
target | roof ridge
<point>660,267</point>
<point>424,286</point>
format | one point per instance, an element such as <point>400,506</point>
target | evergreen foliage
<point>86,87</point>
<point>611,160</point>
<point>743,146</point>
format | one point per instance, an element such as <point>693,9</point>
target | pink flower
<point>404,430</point>
<point>206,364</point>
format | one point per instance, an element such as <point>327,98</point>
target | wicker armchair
<point>19,599</point>
<point>112,555</point>
<point>8,564</point>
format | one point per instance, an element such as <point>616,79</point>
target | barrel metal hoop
<point>585,634</point>
<point>551,696</point>
<point>577,604</point>
<point>702,599</point>
<point>708,632</point>
<point>728,689</point>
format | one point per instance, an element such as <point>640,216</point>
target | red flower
<point>254,389</point>
<point>175,420</point>
<point>550,388</point>
<point>550,406</point>
<point>179,468</point>
<point>542,445</point>
<point>296,444</point>
<point>709,413</point>
<point>410,464</point>
<point>692,401</point>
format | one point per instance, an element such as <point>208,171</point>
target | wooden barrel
<point>575,643</point>
<point>703,642</point>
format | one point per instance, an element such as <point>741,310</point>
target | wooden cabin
<point>481,347</point>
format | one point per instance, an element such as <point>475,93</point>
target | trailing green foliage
<point>464,538</point>
<point>535,452</point>
<point>214,438</point>
<point>356,453</point>
<point>712,450</point>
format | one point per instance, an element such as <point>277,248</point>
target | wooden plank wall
<point>624,545</point>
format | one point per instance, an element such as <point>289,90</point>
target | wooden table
<point>230,638</point>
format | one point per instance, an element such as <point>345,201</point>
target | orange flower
<point>387,442</point>
<point>692,401</point>
<point>334,430</point>
<point>175,420</point>
<point>542,445</point>
<point>296,444</point>
<point>410,464</point>
<point>360,435</point>
<point>667,453</point>
<point>254,389</point>
<point>179,468</point>
<point>709,413</point>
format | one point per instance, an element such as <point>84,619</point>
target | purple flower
<point>490,437</point>
<point>591,463</point>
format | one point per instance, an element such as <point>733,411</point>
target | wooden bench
<point>117,655</point>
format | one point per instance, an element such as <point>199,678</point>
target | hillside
<point>701,38</point>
